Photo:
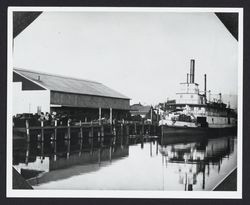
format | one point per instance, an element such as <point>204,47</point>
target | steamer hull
<point>202,131</point>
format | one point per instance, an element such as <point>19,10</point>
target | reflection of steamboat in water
<point>192,111</point>
<point>197,158</point>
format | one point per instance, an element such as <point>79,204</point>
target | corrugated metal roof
<point>69,85</point>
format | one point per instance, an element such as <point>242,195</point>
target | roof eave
<point>39,84</point>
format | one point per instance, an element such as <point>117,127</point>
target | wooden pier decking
<point>87,130</point>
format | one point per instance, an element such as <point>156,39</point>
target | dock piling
<point>100,115</point>
<point>157,146</point>
<point>162,134</point>
<point>81,144</point>
<point>68,149</point>
<point>142,127</point>
<point>110,116</point>
<point>55,137</point>
<point>150,149</point>
<point>27,130</point>
<point>42,151</point>
<point>42,130</point>
<point>102,134</point>
<point>127,130</point>
<point>55,150</point>
<point>69,134</point>
<point>81,135</point>
<point>27,153</point>
<point>92,137</point>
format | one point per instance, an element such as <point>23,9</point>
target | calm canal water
<point>199,163</point>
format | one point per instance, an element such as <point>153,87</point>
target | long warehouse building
<point>35,92</point>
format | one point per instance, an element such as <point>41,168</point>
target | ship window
<point>180,96</point>
<point>192,96</point>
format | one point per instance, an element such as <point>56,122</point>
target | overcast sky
<point>142,55</point>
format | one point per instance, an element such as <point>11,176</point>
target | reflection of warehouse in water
<point>36,92</point>
<point>67,158</point>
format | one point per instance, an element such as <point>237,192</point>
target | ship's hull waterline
<point>194,131</point>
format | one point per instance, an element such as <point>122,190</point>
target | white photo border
<point>10,192</point>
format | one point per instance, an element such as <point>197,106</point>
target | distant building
<point>142,111</point>
<point>35,92</point>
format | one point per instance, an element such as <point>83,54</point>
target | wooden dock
<point>82,130</point>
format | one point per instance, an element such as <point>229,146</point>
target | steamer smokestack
<point>220,97</point>
<point>192,70</point>
<point>205,85</point>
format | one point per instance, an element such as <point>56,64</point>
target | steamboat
<point>193,111</point>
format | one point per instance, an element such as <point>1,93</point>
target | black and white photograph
<point>124,102</point>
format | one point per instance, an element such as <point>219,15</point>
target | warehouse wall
<point>27,101</point>
<point>77,100</point>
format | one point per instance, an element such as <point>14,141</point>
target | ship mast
<point>205,87</point>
